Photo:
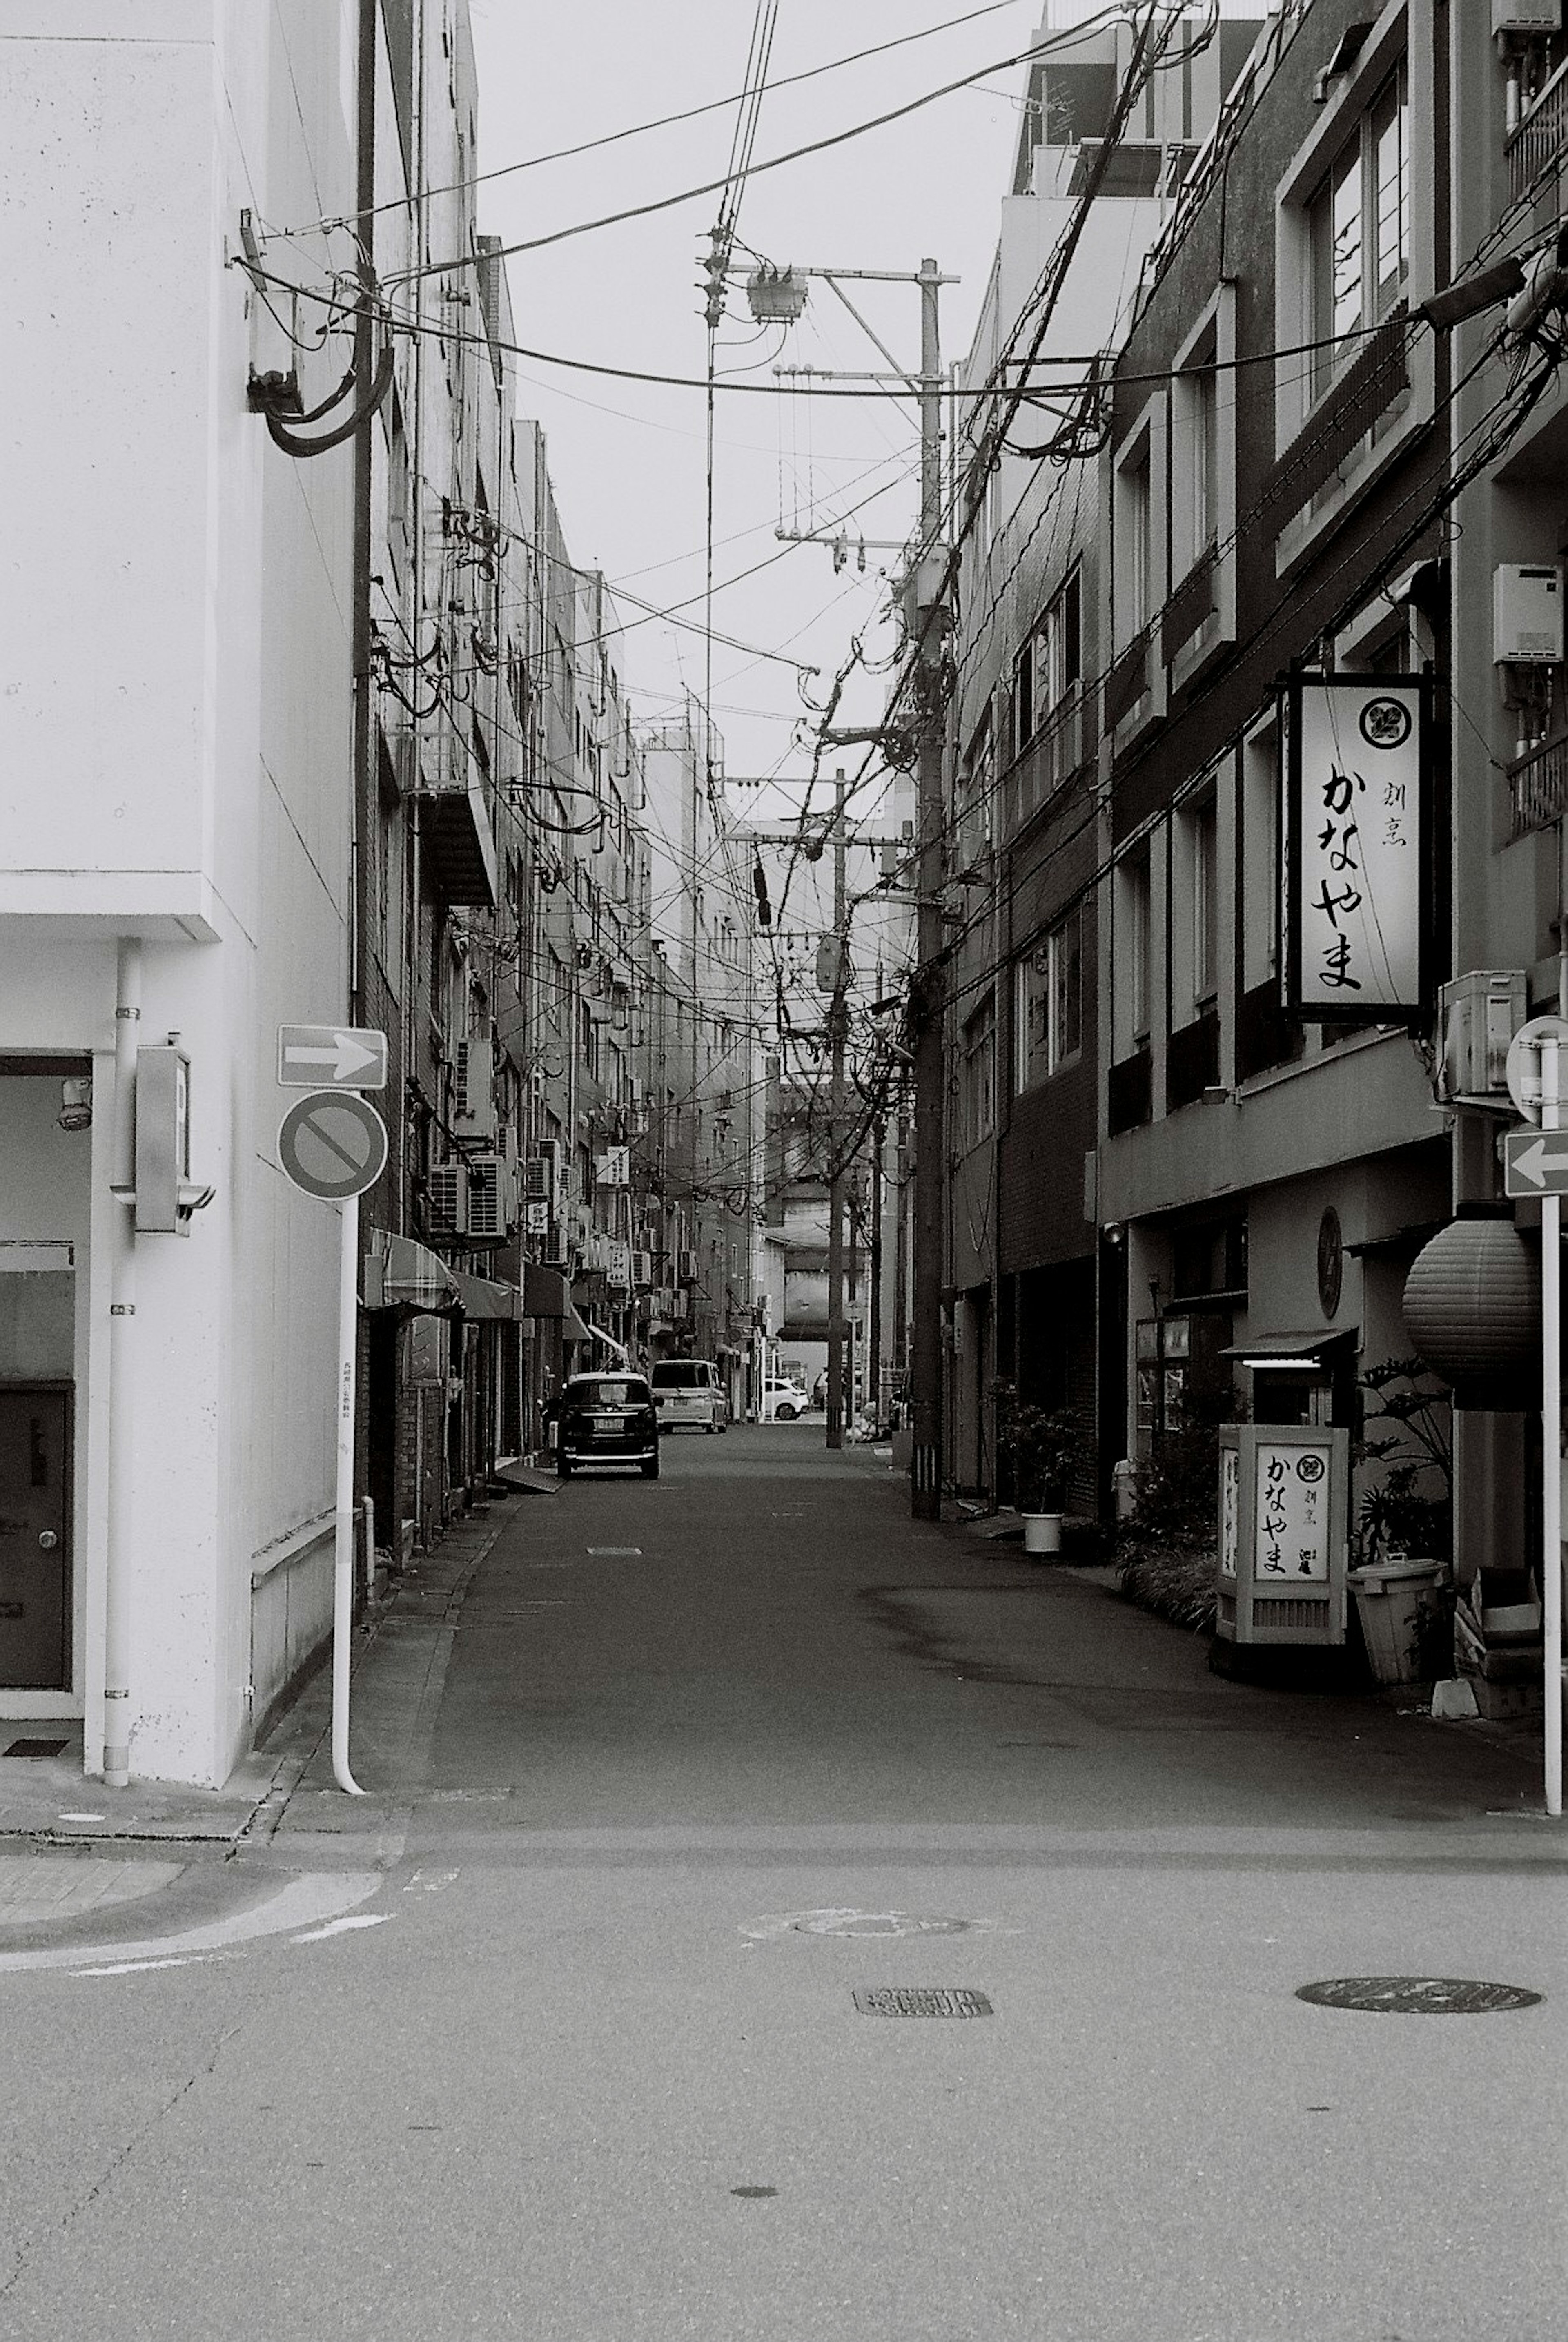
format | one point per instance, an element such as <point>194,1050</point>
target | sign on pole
<point>1522,1072</point>
<point>341,1056</point>
<point>1534,1164</point>
<point>1358,845</point>
<point>333,1145</point>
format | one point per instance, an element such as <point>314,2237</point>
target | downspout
<point>361,793</point>
<point>122,1472</point>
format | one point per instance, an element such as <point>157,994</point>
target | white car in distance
<point>783,1402</point>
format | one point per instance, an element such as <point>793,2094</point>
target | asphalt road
<point>712,1756</point>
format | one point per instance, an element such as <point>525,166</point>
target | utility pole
<point>838,1017</point>
<point>929,988</point>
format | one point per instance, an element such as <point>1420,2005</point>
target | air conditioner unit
<point>686,1267</point>
<point>536,1179</point>
<point>446,1198</point>
<point>475,1115</point>
<point>486,1196</point>
<point>1526,16</point>
<point>642,1269</point>
<point>558,1252</point>
<point>1480,1013</point>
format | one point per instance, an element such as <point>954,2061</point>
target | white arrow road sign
<point>350,1058</point>
<point>1534,1164</point>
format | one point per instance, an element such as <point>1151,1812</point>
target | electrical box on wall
<point>163,1141</point>
<point>1526,611</point>
<point>1526,16</point>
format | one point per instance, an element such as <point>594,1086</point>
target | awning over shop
<point>573,1328</point>
<point>544,1291</point>
<point>479,1297</point>
<point>608,1339</point>
<point>1284,1353</point>
<point>399,1273</point>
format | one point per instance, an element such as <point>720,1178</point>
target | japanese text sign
<point>1291,1517</point>
<point>1358,790</point>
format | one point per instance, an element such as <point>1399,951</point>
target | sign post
<point>332,1144</point>
<point>1534,1167</point>
<point>1552,1436</point>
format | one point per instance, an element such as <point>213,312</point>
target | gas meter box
<point>163,1141</point>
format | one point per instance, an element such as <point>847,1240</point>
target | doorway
<point>36,1535</point>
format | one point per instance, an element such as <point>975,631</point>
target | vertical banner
<point>1358,827</point>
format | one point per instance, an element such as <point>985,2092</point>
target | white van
<point>688,1390</point>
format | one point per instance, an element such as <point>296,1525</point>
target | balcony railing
<point>1541,136</point>
<point>1538,785</point>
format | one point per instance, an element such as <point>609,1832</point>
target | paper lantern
<point>1472,1312</point>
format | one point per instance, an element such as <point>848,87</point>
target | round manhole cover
<point>857,1924</point>
<point>1417,1996</point>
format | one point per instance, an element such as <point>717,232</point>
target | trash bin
<point>1393,1599</point>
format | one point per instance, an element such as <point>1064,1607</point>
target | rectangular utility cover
<point>330,1057</point>
<point>920,2000</point>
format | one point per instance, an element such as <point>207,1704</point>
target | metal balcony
<point>1541,137</point>
<point>1538,786</point>
<point>457,828</point>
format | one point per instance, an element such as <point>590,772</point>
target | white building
<point>175,790</point>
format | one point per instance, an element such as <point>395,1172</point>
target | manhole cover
<point>919,2000</point>
<point>616,1549</point>
<point>36,1749</point>
<point>1417,1996</point>
<point>843,1920</point>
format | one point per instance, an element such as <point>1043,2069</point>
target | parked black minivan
<point>606,1418</point>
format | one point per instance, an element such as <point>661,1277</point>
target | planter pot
<point>1393,1598</point>
<point>1043,1533</point>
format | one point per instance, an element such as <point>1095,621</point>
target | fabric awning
<point>480,1296</point>
<point>573,1328</point>
<point>399,1273</point>
<point>545,1291</point>
<point>608,1339</point>
<point>1283,1351</point>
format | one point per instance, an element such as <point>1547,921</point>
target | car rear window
<point>610,1390</point>
<point>683,1374</point>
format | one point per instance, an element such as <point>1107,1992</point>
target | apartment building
<point>1023,1273</point>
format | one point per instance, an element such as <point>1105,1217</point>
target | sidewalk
<point>70,1848</point>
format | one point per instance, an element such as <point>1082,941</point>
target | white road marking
<point>81,1818</point>
<point>140,1967</point>
<point>315,1895</point>
<point>342,1926</point>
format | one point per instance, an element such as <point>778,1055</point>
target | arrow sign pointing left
<point>350,1058</point>
<point>1534,1164</point>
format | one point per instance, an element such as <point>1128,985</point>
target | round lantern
<point>1472,1312</point>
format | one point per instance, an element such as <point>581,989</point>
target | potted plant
<point>1403,1529</point>
<point>1043,1446</point>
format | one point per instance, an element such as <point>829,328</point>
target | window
<point>1137,520</point>
<point>979,1074</point>
<point>1130,971</point>
<point>1196,465</point>
<point>1205,902</point>
<point>973,810</point>
<point>1259,858</point>
<point>1358,229</point>
<point>1048,1004</point>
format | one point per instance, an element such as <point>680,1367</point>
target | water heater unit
<point>1526,612</point>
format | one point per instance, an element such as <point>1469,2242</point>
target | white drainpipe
<point>122,1383</point>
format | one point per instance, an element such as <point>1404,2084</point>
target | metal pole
<point>929,987</point>
<point>1552,1440</point>
<point>122,1376</point>
<point>342,1550</point>
<point>838,1020</point>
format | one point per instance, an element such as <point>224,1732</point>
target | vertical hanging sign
<point>1358,827</point>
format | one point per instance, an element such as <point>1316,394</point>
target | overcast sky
<point>627,459</point>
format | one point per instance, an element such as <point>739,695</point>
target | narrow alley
<point>676,1794</point>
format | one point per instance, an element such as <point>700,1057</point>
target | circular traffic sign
<point>1524,1068</point>
<point>332,1144</point>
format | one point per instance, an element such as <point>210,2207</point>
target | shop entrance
<point>35,1536</point>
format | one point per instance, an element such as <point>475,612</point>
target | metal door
<point>35,1536</point>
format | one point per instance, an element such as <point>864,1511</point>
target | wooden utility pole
<point>838,1019</point>
<point>930,987</point>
